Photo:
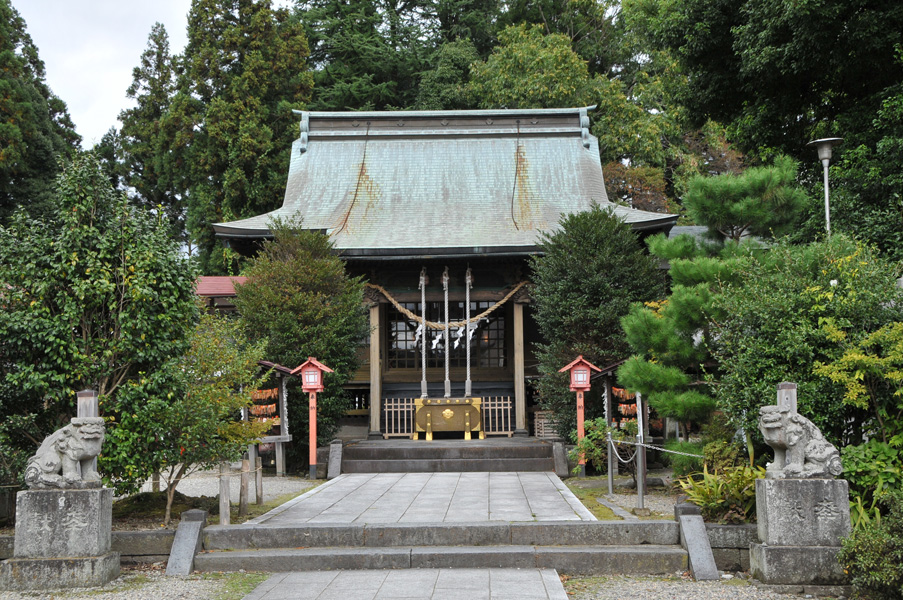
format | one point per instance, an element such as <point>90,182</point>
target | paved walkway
<point>432,498</point>
<point>413,584</point>
<point>426,498</point>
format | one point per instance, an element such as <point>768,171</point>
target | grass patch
<point>236,585</point>
<point>147,509</point>
<point>256,510</point>
<point>587,497</point>
<point>582,587</point>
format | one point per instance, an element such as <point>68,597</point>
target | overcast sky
<point>89,48</point>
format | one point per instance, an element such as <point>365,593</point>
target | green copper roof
<point>441,182</point>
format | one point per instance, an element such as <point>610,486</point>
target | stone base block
<point>22,574</point>
<point>816,591</point>
<point>63,523</point>
<point>796,565</point>
<point>802,512</point>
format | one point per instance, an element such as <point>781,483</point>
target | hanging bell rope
<point>441,326</point>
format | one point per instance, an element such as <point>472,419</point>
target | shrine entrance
<point>444,339</point>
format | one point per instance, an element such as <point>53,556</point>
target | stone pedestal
<point>62,540</point>
<point>801,523</point>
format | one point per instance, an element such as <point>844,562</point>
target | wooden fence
<point>398,417</point>
<point>498,415</point>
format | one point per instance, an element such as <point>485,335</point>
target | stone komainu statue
<point>66,458</point>
<point>800,449</point>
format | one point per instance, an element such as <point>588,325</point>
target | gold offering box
<point>447,414</point>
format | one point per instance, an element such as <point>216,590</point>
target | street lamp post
<point>824,147</point>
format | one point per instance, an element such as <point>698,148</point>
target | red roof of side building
<point>210,286</point>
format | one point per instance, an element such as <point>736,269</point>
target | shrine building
<point>440,211</point>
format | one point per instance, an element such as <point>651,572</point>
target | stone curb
<point>545,533</point>
<point>572,560</point>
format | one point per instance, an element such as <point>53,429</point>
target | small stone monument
<point>803,512</point>
<point>64,521</point>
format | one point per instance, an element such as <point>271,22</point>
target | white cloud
<point>89,48</point>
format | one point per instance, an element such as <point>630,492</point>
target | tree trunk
<point>171,493</point>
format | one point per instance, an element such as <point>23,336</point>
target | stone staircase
<point>573,548</point>
<point>437,456</point>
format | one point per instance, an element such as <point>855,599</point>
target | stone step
<point>570,560</point>
<point>389,535</point>
<point>447,465</point>
<point>447,456</point>
<point>445,450</point>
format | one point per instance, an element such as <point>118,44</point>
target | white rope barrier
<point>659,448</point>
<point>618,456</point>
<point>441,326</point>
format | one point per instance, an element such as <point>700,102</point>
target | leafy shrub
<point>595,449</point>
<point>684,465</point>
<point>728,496</point>
<point>721,455</point>
<point>871,468</point>
<point>873,554</point>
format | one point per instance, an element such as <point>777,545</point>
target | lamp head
<point>824,146</point>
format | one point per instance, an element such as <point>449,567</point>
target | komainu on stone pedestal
<point>803,511</point>
<point>64,522</point>
<point>66,458</point>
<point>800,449</point>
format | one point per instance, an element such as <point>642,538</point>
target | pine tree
<point>763,201</point>
<point>230,125</point>
<point>35,128</point>
<point>670,338</point>
<point>146,165</point>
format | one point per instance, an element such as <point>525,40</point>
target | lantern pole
<point>824,146</point>
<point>312,404</point>
<point>581,433</point>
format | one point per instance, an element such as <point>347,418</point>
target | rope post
<point>245,484</point>
<point>224,493</point>
<point>258,467</point>
<point>447,340</point>
<point>640,471</point>
<point>468,283</point>
<point>611,460</point>
<point>423,329</point>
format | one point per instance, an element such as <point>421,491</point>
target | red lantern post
<point>312,382</point>
<point>580,371</point>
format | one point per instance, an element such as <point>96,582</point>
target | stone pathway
<point>432,498</point>
<point>413,584</point>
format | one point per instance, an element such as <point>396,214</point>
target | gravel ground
<point>206,483</point>
<point>658,501</point>
<point>143,585</point>
<point>136,585</point>
<point>673,588</point>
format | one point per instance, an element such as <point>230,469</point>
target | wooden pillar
<point>375,373</point>
<point>520,391</point>
<point>280,459</point>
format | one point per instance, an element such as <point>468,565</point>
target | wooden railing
<point>498,415</point>
<point>543,427</point>
<point>398,417</point>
